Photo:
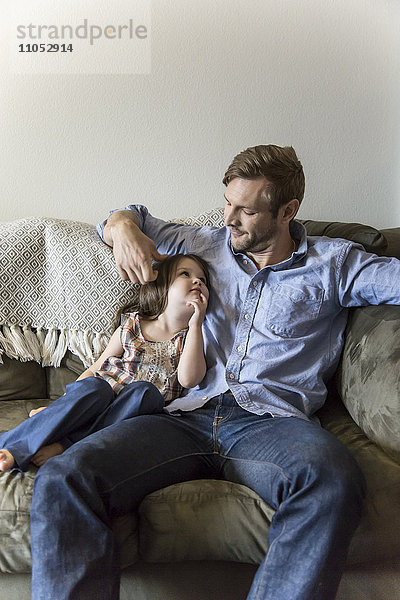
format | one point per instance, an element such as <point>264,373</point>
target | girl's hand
<point>199,306</point>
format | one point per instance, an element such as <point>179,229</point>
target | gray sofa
<point>204,539</point>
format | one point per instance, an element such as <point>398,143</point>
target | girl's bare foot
<point>47,452</point>
<point>7,461</point>
<point>36,410</point>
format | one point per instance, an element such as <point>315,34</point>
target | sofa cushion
<point>13,413</point>
<point>369,377</point>
<point>204,520</point>
<point>15,502</point>
<point>57,380</point>
<point>15,496</point>
<point>369,237</point>
<point>16,490</point>
<point>393,239</point>
<point>220,520</point>
<point>21,379</point>
<point>377,539</point>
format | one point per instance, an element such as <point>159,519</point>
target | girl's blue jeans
<point>87,406</point>
<point>304,472</point>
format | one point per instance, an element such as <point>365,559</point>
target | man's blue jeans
<point>304,472</point>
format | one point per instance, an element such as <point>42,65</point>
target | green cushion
<point>369,376</point>
<point>393,239</point>
<point>369,237</point>
<point>13,413</point>
<point>21,380</point>
<point>204,520</point>
<point>377,538</point>
<point>15,501</point>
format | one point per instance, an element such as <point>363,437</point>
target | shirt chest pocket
<point>292,311</point>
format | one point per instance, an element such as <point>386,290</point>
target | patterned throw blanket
<point>59,290</point>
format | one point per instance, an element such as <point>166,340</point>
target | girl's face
<point>189,282</point>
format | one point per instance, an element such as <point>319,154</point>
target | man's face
<point>248,216</point>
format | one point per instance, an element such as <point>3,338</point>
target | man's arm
<point>366,279</point>
<point>133,250</point>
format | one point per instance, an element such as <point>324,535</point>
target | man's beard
<point>254,243</point>
<point>243,244</point>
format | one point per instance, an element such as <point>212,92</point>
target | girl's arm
<point>114,348</point>
<point>192,364</point>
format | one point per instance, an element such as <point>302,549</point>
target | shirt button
<point>239,348</point>
<point>255,283</point>
<point>245,261</point>
<point>205,398</point>
<point>247,316</point>
<point>231,376</point>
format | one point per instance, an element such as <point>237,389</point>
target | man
<point>273,336</point>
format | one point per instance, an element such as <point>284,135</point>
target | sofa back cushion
<point>21,380</point>
<point>369,237</point>
<point>369,376</point>
<point>393,239</point>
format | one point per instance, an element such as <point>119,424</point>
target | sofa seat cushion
<point>219,520</point>
<point>16,490</point>
<point>13,413</point>
<point>15,501</point>
<point>204,520</point>
<point>207,519</point>
<point>376,539</point>
<point>16,494</point>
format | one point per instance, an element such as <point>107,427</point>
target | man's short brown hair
<point>279,165</point>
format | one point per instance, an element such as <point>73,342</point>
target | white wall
<point>321,75</point>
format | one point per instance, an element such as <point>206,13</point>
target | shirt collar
<point>299,234</point>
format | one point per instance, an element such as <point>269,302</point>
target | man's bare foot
<point>7,461</point>
<point>47,452</point>
<point>36,410</point>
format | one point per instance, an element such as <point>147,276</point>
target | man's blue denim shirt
<point>274,336</point>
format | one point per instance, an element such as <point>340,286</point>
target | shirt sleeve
<point>366,279</point>
<point>169,237</point>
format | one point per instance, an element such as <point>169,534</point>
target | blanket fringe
<point>48,347</point>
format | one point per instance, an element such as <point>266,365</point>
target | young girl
<point>156,352</point>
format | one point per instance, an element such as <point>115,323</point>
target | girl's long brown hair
<point>151,300</point>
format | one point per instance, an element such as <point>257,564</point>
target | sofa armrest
<point>369,374</point>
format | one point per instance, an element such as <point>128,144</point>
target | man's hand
<point>133,250</point>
